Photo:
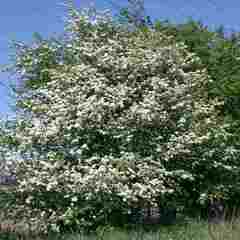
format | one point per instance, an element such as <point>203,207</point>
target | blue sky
<point>20,19</point>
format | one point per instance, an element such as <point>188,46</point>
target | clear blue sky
<point>20,19</point>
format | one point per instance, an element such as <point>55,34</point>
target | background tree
<point>134,14</point>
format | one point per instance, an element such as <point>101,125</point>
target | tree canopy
<point>218,53</point>
<point>114,118</point>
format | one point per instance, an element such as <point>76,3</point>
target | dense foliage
<point>8,147</point>
<point>219,53</point>
<point>114,118</point>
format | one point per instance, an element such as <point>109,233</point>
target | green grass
<point>187,231</point>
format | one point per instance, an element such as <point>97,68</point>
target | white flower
<point>74,199</point>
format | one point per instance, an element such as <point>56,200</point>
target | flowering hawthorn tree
<point>113,120</point>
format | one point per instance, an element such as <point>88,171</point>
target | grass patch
<point>186,231</point>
